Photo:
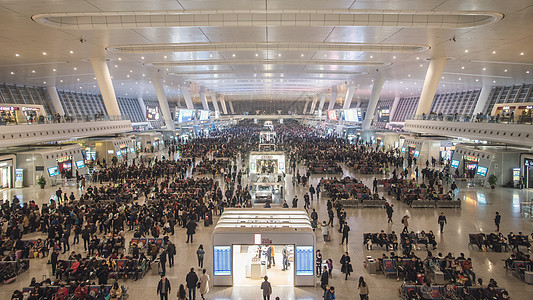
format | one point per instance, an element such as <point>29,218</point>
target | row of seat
<point>409,291</point>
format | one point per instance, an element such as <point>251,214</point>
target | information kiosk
<point>249,244</point>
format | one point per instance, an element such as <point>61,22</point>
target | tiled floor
<point>478,208</point>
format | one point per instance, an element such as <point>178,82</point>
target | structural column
<point>56,103</point>
<point>163,102</point>
<point>223,104</point>
<point>333,98</point>
<point>231,107</point>
<point>482,100</point>
<point>101,72</point>
<point>322,102</point>
<point>393,108</point>
<point>350,91</point>
<point>374,98</point>
<point>186,92</point>
<point>313,105</point>
<point>433,75</point>
<point>305,107</point>
<point>203,98</point>
<point>215,104</point>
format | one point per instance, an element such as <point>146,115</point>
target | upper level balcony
<point>517,131</point>
<point>17,132</point>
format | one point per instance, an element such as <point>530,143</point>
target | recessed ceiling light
<point>421,65</point>
<point>477,80</point>
<point>463,67</point>
<point>521,53</point>
<point>17,55</point>
<point>116,66</point>
<point>279,54</point>
<point>142,57</point>
<point>75,68</point>
<point>494,81</point>
<point>371,56</point>
<point>484,69</point>
<point>120,58</point>
<point>61,80</point>
<point>165,56</point>
<point>394,57</point>
<point>527,72</point>
<point>128,75</point>
<point>505,70</point>
<point>12,73</point>
<point>257,54</point>
<point>94,78</point>
<point>44,53</point>
<point>94,86</point>
<point>493,52</point>
<point>417,58</point>
<point>466,51</point>
<point>460,78</point>
<point>54,70</point>
<point>442,77</point>
<point>44,82</point>
<point>80,87</point>
<point>302,55</point>
<point>71,52</point>
<point>33,71</point>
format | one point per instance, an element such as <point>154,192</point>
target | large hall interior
<point>266,149</point>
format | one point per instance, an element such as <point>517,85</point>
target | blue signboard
<point>455,164</point>
<point>304,261</point>
<point>416,154</point>
<point>222,260</point>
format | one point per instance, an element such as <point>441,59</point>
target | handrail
<point>55,119</point>
<point>479,118</point>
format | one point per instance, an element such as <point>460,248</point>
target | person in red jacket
<point>81,291</point>
<point>61,293</point>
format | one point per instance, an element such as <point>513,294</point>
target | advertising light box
<point>416,154</point>
<point>152,113</point>
<point>332,115</point>
<point>53,171</point>
<point>185,115</point>
<point>351,115</point>
<point>222,260</point>
<point>455,164</point>
<point>482,171</point>
<point>203,115</point>
<point>80,164</point>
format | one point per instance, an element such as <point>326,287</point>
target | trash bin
<point>528,277</point>
<point>155,265</point>
<point>439,277</point>
<point>372,266</point>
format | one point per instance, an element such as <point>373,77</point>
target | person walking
<point>405,222</point>
<point>204,283</point>
<point>346,265</point>
<point>285,253</point>
<point>191,230</point>
<point>390,211</point>
<point>267,289</point>
<point>192,280</point>
<point>325,231</point>
<point>171,251</point>
<point>345,230</point>
<point>324,279</point>
<point>312,191</point>
<point>331,216</point>
<point>442,221</point>
<point>497,220</point>
<point>53,260</point>
<point>163,288</point>
<point>200,253</point>
<point>375,186</point>
<point>363,289</point>
<point>330,294</point>
<point>163,262</point>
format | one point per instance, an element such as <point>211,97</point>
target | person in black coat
<point>192,280</point>
<point>324,279</point>
<point>163,288</point>
<point>163,262</point>
<point>171,251</point>
<point>191,230</point>
<point>53,260</point>
<point>346,266</point>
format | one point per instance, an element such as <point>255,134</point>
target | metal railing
<point>508,119</point>
<point>56,119</point>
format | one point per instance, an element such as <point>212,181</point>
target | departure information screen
<point>304,260</point>
<point>222,260</point>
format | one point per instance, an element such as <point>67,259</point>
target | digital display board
<point>351,115</point>
<point>185,115</point>
<point>332,115</point>
<point>516,174</point>
<point>53,171</point>
<point>222,260</point>
<point>80,164</point>
<point>482,171</point>
<point>455,164</point>
<point>383,114</point>
<point>417,153</point>
<point>152,113</point>
<point>119,154</point>
<point>203,115</point>
<point>304,261</point>
<point>403,150</point>
<point>132,150</point>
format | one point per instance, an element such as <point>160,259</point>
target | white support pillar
<point>56,103</point>
<point>101,72</point>
<point>313,105</point>
<point>394,107</point>
<point>223,104</point>
<point>143,106</point>
<point>305,107</point>
<point>231,107</point>
<point>350,91</point>
<point>374,98</point>
<point>163,101</point>
<point>332,98</point>
<point>433,75</point>
<point>322,102</point>
<point>482,99</point>
<point>203,98</point>
<point>186,92</point>
<point>215,104</point>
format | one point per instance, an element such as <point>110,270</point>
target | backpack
<point>402,220</point>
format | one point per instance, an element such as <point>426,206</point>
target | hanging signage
<point>63,159</point>
<point>471,158</point>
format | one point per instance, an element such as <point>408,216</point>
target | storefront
<point>64,164</point>
<point>249,244</point>
<point>267,162</point>
<point>470,164</point>
<point>446,150</point>
<point>6,171</point>
<point>527,163</point>
<point>12,114</point>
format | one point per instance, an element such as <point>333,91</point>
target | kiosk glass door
<point>251,263</point>
<point>5,177</point>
